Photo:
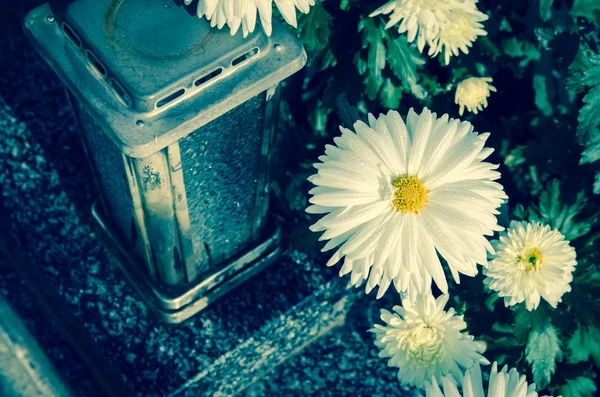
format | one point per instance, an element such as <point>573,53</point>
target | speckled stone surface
<point>344,362</point>
<point>47,191</point>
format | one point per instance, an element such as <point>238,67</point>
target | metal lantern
<point>178,122</point>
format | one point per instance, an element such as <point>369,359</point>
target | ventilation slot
<point>71,35</point>
<point>245,56</point>
<point>208,77</point>
<point>170,98</point>
<point>120,92</point>
<point>95,63</point>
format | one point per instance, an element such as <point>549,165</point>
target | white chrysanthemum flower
<point>459,33</point>
<point>472,93</point>
<point>425,342</point>
<point>531,261</point>
<point>394,193</point>
<point>236,13</point>
<point>501,384</point>
<point>447,25</point>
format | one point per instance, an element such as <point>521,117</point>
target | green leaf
<point>403,61</point>
<point>314,28</point>
<point>586,9</point>
<point>542,352</point>
<point>515,48</point>
<point>588,130</point>
<point>347,113</point>
<point>546,9</point>
<point>516,157</point>
<point>372,38</point>
<point>596,185</point>
<point>592,151</point>
<point>523,323</point>
<point>562,216</point>
<point>383,50</point>
<point>318,118</point>
<point>361,64</point>
<point>327,59</point>
<point>491,300</point>
<point>372,41</point>
<point>373,84</point>
<point>583,344</point>
<point>541,94</point>
<point>390,95</point>
<point>579,387</point>
<point>589,122</point>
<point>520,214</point>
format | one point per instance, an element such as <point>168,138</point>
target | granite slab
<point>344,362</point>
<point>47,192</point>
<point>45,333</point>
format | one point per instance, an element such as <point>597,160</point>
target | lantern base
<point>174,304</point>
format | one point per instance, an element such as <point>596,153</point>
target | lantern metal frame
<point>145,107</point>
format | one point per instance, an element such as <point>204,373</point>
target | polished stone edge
<point>25,370</point>
<point>286,336</point>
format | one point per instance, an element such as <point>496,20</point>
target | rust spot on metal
<point>151,179</point>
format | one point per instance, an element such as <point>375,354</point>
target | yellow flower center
<point>424,344</point>
<point>410,195</point>
<point>532,259</point>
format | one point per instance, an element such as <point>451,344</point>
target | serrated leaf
<point>542,352</point>
<point>585,8</point>
<point>523,323</point>
<point>579,387</point>
<point>372,38</point>
<point>541,94</point>
<point>403,61</point>
<point>588,131</point>
<point>546,9</point>
<point>373,85</point>
<point>390,95</point>
<point>327,59</point>
<point>384,50</point>
<point>520,214</point>
<point>361,64</point>
<point>589,122</point>
<point>513,47</point>
<point>491,300</point>
<point>564,217</point>
<point>347,113</point>
<point>372,68</point>
<point>317,118</point>
<point>516,157</point>
<point>596,185</point>
<point>314,28</point>
<point>583,344</point>
<point>591,152</point>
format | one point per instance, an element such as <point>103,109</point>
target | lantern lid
<point>150,73</point>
